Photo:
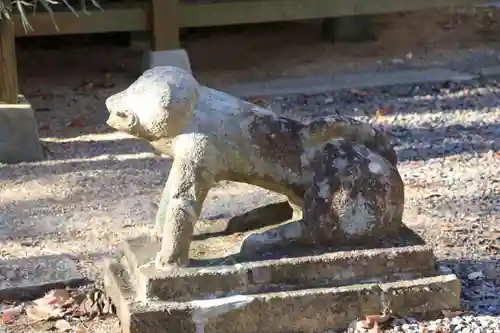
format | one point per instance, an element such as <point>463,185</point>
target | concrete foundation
<point>306,293</point>
<point>177,58</point>
<point>19,139</point>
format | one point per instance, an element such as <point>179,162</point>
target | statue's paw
<point>161,264</point>
<point>249,245</point>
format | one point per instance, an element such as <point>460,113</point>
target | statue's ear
<point>129,118</point>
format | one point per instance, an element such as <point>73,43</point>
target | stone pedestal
<point>311,292</point>
<point>177,58</point>
<point>19,140</point>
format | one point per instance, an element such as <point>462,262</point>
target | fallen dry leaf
<point>10,314</point>
<point>380,318</point>
<point>359,92</point>
<point>258,101</point>
<point>36,314</point>
<point>451,314</point>
<point>53,305</point>
<point>380,113</point>
<point>441,330</point>
<point>76,123</point>
<point>55,297</point>
<point>363,325</point>
<point>375,328</point>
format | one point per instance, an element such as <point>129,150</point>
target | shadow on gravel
<point>144,168</point>
<point>480,282</point>
<point>415,142</point>
<point>412,144</point>
<point>93,128</point>
<point>90,149</point>
<point>31,223</point>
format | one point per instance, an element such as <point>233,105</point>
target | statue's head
<point>159,104</point>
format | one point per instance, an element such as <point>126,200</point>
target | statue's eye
<point>121,114</point>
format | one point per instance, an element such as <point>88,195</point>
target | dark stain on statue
<point>278,138</point>
<point>320,220</point>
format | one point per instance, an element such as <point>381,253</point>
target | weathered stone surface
<point>19,140</point>
<point>306,310</point>
<point>335,268</point>
<point>29,278</point>
<point>213,136</point>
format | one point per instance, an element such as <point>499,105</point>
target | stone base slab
<point>331,269</point>
<point>306,310</point>
<point>19,139</point>
<point>294,289</point>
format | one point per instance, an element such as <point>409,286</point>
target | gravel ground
<point>98,187</point>
<point>447,138</point>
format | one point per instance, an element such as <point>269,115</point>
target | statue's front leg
<point>162,147</point>
<point>186,189</point>
<point>162,211</point>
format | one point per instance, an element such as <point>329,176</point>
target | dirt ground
<point>99,187</point>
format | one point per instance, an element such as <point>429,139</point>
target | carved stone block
<point>19,139</point>
<point>281,292</point>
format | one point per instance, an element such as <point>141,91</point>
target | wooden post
<point>8,65</point>
<point>165,24</point>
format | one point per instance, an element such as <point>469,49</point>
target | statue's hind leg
<point>279,236</point>
<point>313,227</point>
<point>292,232</point>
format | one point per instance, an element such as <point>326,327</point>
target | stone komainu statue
<point>339,174</point>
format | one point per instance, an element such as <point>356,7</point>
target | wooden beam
<point>258,11</point>
<point>165,23</point>
<point>114,18</point>
<point>164,19</point>
<point>8,66</point>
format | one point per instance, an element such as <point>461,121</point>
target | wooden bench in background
<point>164,18</point>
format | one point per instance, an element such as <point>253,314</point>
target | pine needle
<point>19,6</point>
